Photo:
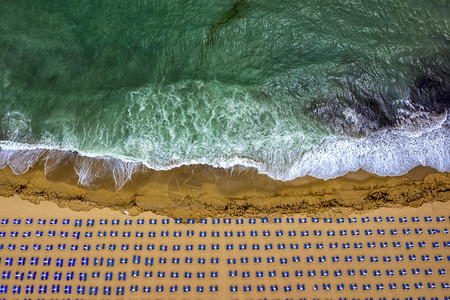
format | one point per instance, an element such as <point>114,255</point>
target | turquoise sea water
<point>292,88</point>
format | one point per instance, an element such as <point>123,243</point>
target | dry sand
<point>14,207</point>
<point>203,191</point>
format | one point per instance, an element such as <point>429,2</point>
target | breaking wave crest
<point>385,153</point>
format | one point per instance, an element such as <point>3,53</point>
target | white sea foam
<point>383,153</point>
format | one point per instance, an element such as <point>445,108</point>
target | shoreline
<point>203,191</point>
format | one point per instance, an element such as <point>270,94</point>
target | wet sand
<point>203,191</point>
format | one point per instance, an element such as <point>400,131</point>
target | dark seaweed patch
<point>355,117</point>
<point>431,93</point>
<point>234,13</point>
<point>363,112</point>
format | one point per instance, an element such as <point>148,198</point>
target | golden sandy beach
<point>314,244</point>
<point>203,191</point>
<point>387,252</point>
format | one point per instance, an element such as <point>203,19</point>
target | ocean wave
<point>385,153</point>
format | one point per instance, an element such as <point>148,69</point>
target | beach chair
<point>173,288</point>
<point>81,289</point>
<point>16,289</point>
<point>83,276</point>
<point>107,290</point>
<point>55,288</point>
<point>393,286</point>
<point>440,219</point>
<point>122,275</point>
<point>215,260</point>
<point>47,261</point>
<point>213,288</point>
<point>302,220</point>
<point>29,289</point>
<point>31,275</point>
<point>44,275</point>
<point>93,290</point>
<point>120,290</point>
<point>19,276</point>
